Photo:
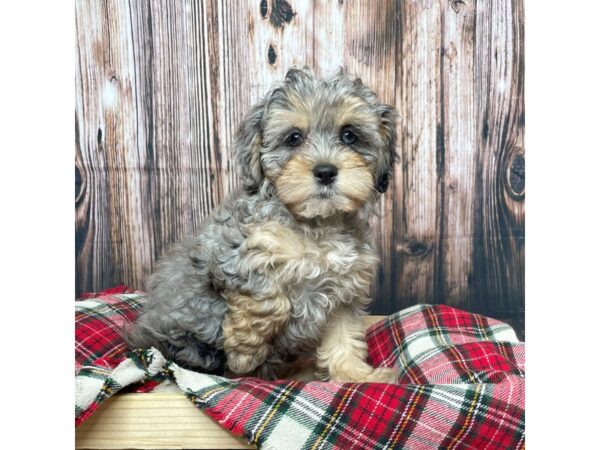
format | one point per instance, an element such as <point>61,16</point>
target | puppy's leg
<point>342,354</point>
<point>249,328</point>
<point>272,255</point>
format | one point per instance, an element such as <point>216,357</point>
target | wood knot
<point>450,52</point>
<point>271,55</point>
<point>514,174</point>
<point>457,5</point>
<point>453,185</point>
<point>100,140</point>
<point>79,184</point>
<point>414,248</point>
<point>281,13</point>
<point>264,8</point>
<point>485,131</point>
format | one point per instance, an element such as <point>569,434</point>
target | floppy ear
<point>388,134</point>
<point>246,148</point>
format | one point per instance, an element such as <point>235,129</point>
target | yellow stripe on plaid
<point>456,440</point>
<point>287,391</point>
<point>333,419</point>
<point>482,328</point>
<point>437,329</point>
<point>463,366</point>
<point>406,366</point>
<point>216,390</point>
<point>503,350</point>
<point>415,402</point>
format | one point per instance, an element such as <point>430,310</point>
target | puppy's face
<point>326,146</point>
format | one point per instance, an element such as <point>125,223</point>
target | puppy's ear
<point>387,130</point>
<point>246,148</point>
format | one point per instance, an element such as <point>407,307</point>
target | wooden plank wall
<point>161,85</point>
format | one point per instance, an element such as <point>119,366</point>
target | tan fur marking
<point>343,351</point>
<point>278,241</point>
<point>296,182</point>
<point>295,115</point>
<point>355,179</point>
<point>287,254</point>
<point>353,110</point>
<point>291,119</point>
<point>249,328</point>
<point>353,187</point>
<point>292,255</point>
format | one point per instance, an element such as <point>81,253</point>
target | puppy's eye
<point>294,139</point>
<point>348,136</point>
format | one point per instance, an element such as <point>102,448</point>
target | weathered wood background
<point>161,85</point>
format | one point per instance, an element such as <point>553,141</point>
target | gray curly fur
<point>187,291</point>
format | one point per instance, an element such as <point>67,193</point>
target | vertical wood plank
<point>458,171</point>
<point>415,212</point>
<point>498,259</point>
<point>328,40</point>
<point>176,210</point>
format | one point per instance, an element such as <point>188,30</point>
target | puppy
<point>282,269</point>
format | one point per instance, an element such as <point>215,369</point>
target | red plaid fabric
<point>99,348</point>
<point>461,387</point>
<point>99,318</point>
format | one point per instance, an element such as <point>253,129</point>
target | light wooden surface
<point>161,85</point>
<point>152,421</point>
<point>157,420</point>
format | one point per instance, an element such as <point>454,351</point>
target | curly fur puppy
<point>282,268</point>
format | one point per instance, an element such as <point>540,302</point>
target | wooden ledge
<point>156,421</point>
<point>153,421</point>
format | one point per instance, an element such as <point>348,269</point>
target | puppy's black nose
<point>325,173</point>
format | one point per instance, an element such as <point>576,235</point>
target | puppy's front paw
<point>362,372</point>
<point>387,375</point>
<point>243,363</point>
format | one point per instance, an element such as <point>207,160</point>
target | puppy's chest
<point>313,266</point>
<point>314,272</point>
<point>337,270</point>
<point>334,264</point>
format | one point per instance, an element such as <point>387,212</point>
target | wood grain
<point>150,421</point>
<point>162,84</point>
<point>457,167</point>
<point>418,211</point>
<point>499,257</point>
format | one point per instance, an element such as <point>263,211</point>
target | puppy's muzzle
<point>325,173</point>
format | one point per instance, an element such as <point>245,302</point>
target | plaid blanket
<point>461,384</point>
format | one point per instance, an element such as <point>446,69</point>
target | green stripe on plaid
<point>279,401</point>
